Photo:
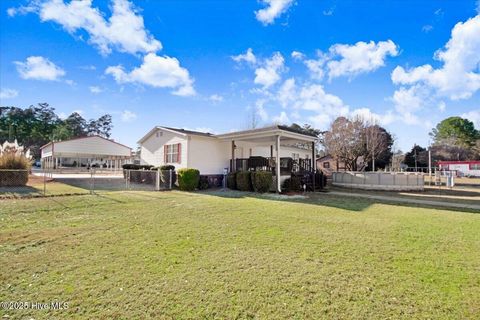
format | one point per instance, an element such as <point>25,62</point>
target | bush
<point>232,181</point>
<point>244,181</point>
<point>13,177</point>
<point>262,181</point>
<point>131,166</point>
<point>10,160</point>
<point>188,179</point>
<point>293,184</point>
<point>203,183</point>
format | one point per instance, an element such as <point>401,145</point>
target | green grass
<point>177,255</point>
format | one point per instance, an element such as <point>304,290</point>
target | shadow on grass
<point>19,191</point>
<point>349,203</point>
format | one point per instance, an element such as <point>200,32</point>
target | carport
<point>83,153</point>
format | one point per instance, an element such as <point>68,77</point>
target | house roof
<point>183,132</point>
<point>271,130</point>
<point>86,137</point>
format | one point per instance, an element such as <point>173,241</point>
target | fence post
<point>44,182</point>
<point>92,181</point>
<point>157,182</point>
<point>170,180</point>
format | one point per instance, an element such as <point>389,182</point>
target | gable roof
<point>85,137</point>
<point>182,132</point>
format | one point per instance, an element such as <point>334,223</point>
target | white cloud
<point>361,57</point>
<point>329,12</point>
<point>6,93</point>
<point>282,118</point>
<point>124,30</point>
<point>442,106</point>
<point>297,55</point>
<point>458,77</point>
<point>269,73</point>
<point>427,28</point>
<point>22,10</point>
<point>372,117</point>
<point>216,98</point>
<point>273,9</point>
<point>260,110</point>
<point>248,57</point>
<point>39,68</point>
<point>473,116</point>
<point>478,7</point>
<point>158,72</point>
<point>95,89</point>
<point>128,116</point>
<point>287,92</point>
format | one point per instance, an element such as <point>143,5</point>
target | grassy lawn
<point>210,255</point>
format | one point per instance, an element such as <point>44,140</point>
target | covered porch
<point>262,149</point>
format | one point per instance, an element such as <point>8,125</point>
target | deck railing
<point>287,165</point>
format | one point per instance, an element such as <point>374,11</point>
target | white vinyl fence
<point>379,180</point>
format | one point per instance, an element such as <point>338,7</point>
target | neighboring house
<point>328,165</point>
<point>213,154</point>
<point>84,152</point>
<point>461,168</point>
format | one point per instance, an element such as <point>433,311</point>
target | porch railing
<point>287,165</point>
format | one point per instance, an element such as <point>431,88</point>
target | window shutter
<point>179,155</point>
<point>165,153</point>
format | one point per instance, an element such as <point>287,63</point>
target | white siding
<point>209,155</point>
<point>152,149</point>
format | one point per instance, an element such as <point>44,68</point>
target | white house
<point>214,153</point>
<point>83,152</point>
<point>461,168</point>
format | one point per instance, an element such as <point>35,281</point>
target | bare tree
<point>252,119</point>
<point>376,141</point>
<point>344,141</point>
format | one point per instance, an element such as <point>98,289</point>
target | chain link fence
<point>38,182</point>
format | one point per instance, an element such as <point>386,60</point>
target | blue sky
<point>210,65</point>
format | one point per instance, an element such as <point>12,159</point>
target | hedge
<point>13,178</point>
<point>232,181</point>
<point>261,181</point>
<point>131,166</point>
<point>244,181</point>
<point>293,184</point>
<point>188,179</point>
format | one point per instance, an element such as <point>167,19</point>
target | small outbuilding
<point>85,152</point>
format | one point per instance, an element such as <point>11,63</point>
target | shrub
<point>10,160</point>
<point>13,177</point>
<point>203,183</point>
<point>244,181</point>
<point>188,179</point>
<point>262,181</point>
<point>131,166</point>
<point>232,181</point>
<point>293,184</point>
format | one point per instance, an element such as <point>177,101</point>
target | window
<point>172,153</point>
<point>159,134</point>
<point>475,166</point>
<point>326,165</point>
<point>295,156</point>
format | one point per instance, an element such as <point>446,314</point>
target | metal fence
<point>37,182</point>
<point>379,180</point>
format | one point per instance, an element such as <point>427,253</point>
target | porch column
<point>232,165</point>
<point>277,164</point>
<point>314,164</point>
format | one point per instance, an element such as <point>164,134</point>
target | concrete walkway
<point>406,200</point>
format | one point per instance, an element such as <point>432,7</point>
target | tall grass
<point>12,160</point>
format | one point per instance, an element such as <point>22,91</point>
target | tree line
<point>38,124</point>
